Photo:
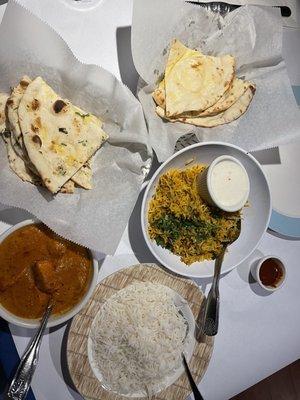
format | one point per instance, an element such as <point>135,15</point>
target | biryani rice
<point>182,222</point>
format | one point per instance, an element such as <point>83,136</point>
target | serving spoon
<point>211,314</point>
<point>21,381</point>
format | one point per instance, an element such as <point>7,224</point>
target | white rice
<point>137,339</point>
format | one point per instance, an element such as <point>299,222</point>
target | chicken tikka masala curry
<point>36,265</point>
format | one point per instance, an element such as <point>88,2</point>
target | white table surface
<point>259,333</point>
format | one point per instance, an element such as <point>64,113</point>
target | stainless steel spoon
<point>211,314</point>
<point>21,381</point>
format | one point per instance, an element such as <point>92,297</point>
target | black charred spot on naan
<point>58,106</point>
<point>10,102</point>
<point>37,140</point>
<point>34,128</point>
<point>63,130</point>
<point>6,134</point>
<point>24,84</point>
<point>60,170</point>
<point>35,104</point>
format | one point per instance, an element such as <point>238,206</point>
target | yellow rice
<point>175,212</point>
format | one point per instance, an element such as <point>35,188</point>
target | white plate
<point>255,218</point>
<point>189,345</point>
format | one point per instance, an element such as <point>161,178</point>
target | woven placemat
<point>79,367</point>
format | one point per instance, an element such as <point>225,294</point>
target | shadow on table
<point>127,69</point>
<point>244,271</point>
<point>135,234</point>
<point>280,236</point>
<point>58,352</point>
<point>64,364</point>
<point>13,216</point>
<point>9,360</point>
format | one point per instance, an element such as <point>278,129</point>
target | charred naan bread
<point>194,81</point>
<point>229,115</point>
<point>59,137</point>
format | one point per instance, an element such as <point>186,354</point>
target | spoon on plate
<point>211,314</point>
<point>195,390</point>
<point>20,384</point>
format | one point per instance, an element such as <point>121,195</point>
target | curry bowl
<point>254,217</point>
<point>14,288</point>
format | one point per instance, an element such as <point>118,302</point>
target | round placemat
<point>81,373</point>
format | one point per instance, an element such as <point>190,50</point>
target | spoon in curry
<point>211,314</point>
<point>21,381</point>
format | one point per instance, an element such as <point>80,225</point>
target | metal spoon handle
<point>195,390</point>
<point>21,381</point>
<point>211,315</point>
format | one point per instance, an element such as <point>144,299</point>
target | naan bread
<point>229,115</point>
<point>159,94</point>
<point>68,187</point>
<point>17,142</point>
<point>58,136</point>
<point>16,137</point>
<point>15,162</point>
<point>12,108</point>
<point>193,81</point>
<point>83,177</point>
<point>237,88</point>
<point>3,99</point>
<point>17,165</point>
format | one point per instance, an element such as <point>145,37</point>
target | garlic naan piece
<point>193,81</point>
<point>59,137</point>
<point>17,164</point>
<point>229,115</point>
<point>16,137</point>
<point>12,108</point>
<point>68,187</point>
<point>17,142</point>
<point>83,177</point>
<point>3,100</point>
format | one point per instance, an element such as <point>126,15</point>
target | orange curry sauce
<point>21,251</point>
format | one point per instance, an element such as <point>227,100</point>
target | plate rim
<point>285,225</point>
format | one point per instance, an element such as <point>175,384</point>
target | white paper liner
<point>98,217</point>
<point>253,35</point>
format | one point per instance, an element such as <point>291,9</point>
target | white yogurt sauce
<point>229,184</point>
